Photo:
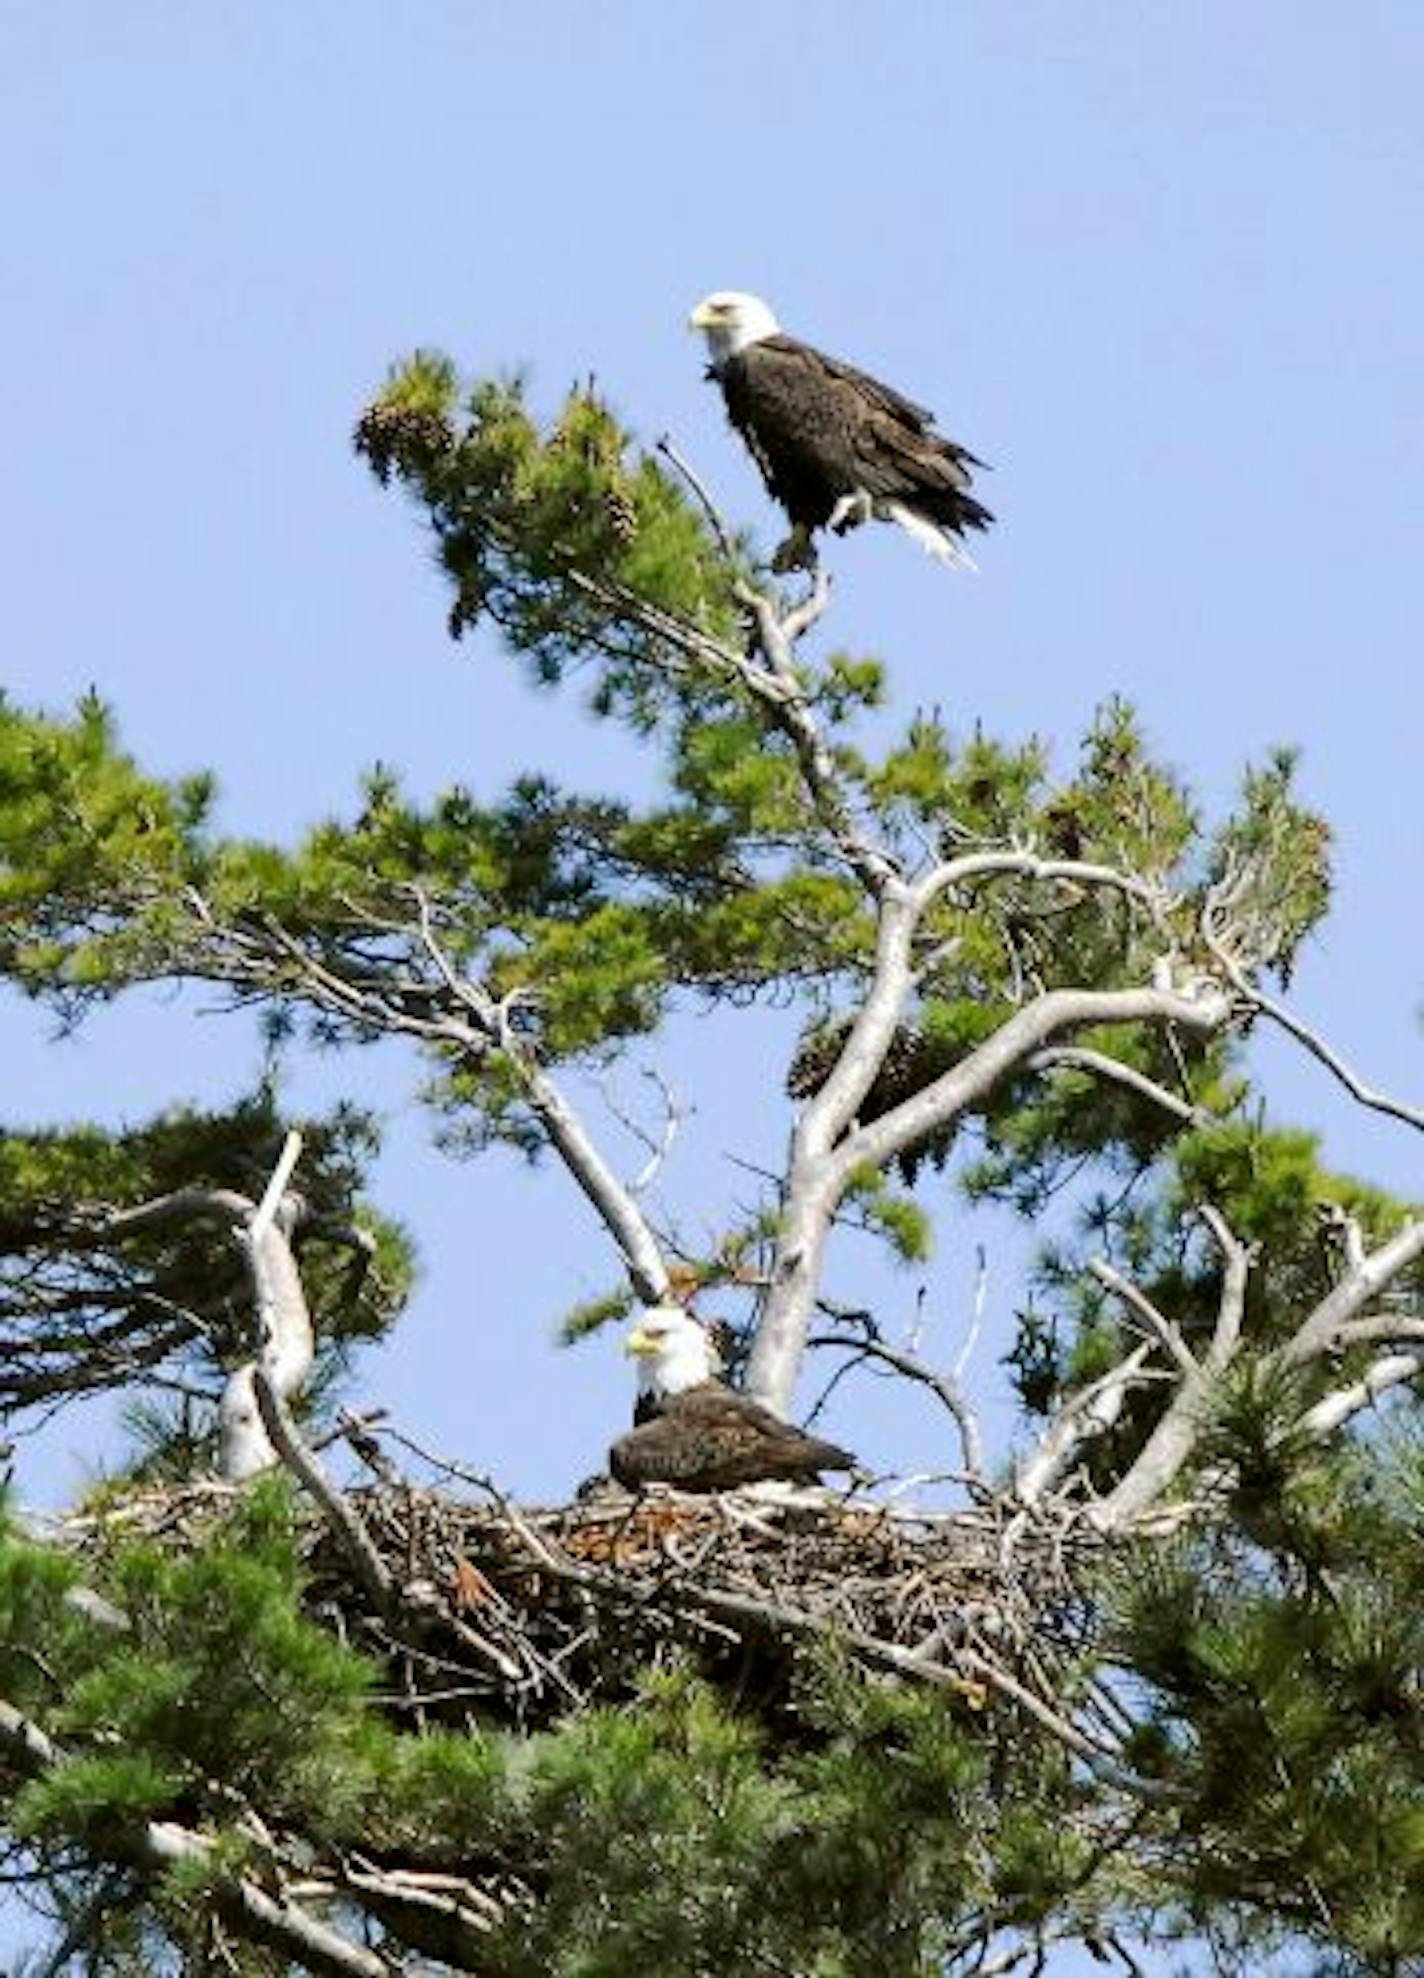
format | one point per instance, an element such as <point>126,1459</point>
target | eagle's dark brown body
<point>709,1438</point>
<point>821,430</point>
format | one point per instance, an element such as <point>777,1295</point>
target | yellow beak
<point>702,318</point>
<point>640,1343</point>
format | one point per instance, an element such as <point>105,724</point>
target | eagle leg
<point>850,511</point>
<point>798,552</point>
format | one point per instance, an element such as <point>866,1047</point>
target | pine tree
<point>1162,1674</point>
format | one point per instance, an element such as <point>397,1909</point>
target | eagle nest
<point>482,1611</point>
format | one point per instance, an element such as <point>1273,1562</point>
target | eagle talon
<point>798,552</point>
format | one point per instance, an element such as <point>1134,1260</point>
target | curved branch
<point>1372,1096</point>
<point>1390,1370</point>
<point>942,1385</point>
<point>1357,1289</point>
<point>1090,1412</point>
<point>1016,1040</point>
<point>1146,1313</point>
<point>823,1165</point>
<point>1075,1057</point>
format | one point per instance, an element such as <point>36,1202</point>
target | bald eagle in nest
<point>697,1434</point>
<point>835,447</point>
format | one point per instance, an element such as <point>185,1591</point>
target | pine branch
<point>155,1847</point>
<point>1074,1057</point>
<point>286,1343</point>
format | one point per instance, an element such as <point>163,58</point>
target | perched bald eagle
<point>697,1434</point>
<point>835,447</point>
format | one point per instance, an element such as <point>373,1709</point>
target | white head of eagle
<point>835,446</point>
<point>730,320</point>
<point>673,1352</point>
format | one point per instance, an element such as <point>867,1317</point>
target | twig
<point>1145,1312</point>
<point>1074,1057</point>
<point>1367,1095</point>
<point>694,481</point>
<point>976,1314</point>
<point>943,1385</point>
<point>658,1149</point>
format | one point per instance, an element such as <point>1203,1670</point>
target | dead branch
<point>1074,1057</point>
<point>1357,1289</point>
<point>700,493</point>
<point>1251,993</point>
<point>1389,1371</point>
<point>1090,1412</point>
<point>1173,1439</point>
<point>870,1346</point>
<point>658,1149</point>
<point>286,1344</point>
<point>1156,1324</point>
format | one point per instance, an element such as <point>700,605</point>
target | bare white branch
<point>1352,1237</point>
<point>659,1148</point>
<point>1369,1331</point>
<point>1357,1289</point>
<point>1074,1057</point>
<point>1020,864</point>
<point>1368,1095</point>
<point>976,1313</point>
<point>1088,1413</point>
<point>1171,1442</point>
<point>1156,1324</point>
<point>1389,1371</point>
<point>827,1150</point>
<point>869,1346</point>
<point>611,1200</point>
<point>1017,1039</point>
<point>286,1344</point>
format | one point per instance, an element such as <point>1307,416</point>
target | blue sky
<point>1158,263</point>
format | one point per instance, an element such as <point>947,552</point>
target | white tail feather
<point>936,541</point>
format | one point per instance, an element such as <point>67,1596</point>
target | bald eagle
<point>697,1434</point>
<point>835,447</point>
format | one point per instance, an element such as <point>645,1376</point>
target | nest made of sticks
<point>522,1616</point>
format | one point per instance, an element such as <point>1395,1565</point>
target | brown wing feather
<point>709,1438</point>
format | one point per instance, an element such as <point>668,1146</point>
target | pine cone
<point>401,438</point>
<point>622,515</point>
